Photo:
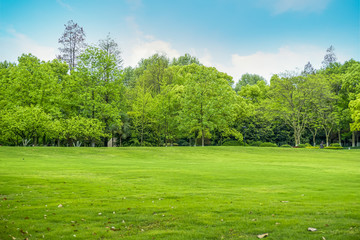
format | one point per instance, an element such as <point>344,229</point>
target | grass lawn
<point>179,193</point>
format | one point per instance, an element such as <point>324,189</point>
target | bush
<point>301,146</point>
<point>171,144</point>
<point>308,145</point>
<point>232,143</point>
<point>268,144</point>
<point>335,145</point>
<point>334,148</point>
<point>255,143</point>
<point>183,143</point>
<point>285,146</point>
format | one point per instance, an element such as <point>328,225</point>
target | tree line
<point>86,98</point>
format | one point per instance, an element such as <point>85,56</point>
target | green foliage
<point>233,143</point>
<point>187,59</point>
<point>355,114</point>
<point>248,79</point>
<point>302,146</point>
<point>255,143</point>
<point>159,103</point>
<point>334,148</point>
<point>335,145</point>
<point>268,144</point>
<point>28,123</point>
<point>205,91</point>
<point>286,146</point>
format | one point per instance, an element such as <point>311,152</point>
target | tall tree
<point>329,58</point>
<point>207,102</point>
<point>309,69</point>
<point>355,114</point>
<point>291,98</point>
<point>111,48</point>
<point>73,43</point>
<point>101,87</point>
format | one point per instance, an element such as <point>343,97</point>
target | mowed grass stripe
<point>179,193</point>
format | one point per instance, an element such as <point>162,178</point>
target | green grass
<point>179,193</point>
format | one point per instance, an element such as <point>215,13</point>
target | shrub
<point>334,148</point>
<point>268,144</point>
<point>308,145</point>
<point>335,145</point>
<point>183,143</point>
<point>312,147</point>
<point>232,143</point>
<point>256,143</point>
<point>301,146</point>
<point>285,146</point>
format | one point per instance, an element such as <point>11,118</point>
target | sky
<point>263,37</point>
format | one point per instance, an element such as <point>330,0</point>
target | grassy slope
<point>179,193</point>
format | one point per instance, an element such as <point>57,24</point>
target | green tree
<point>354,106</point>
<point>101,87</point>
<point>141,113</point>
<point>28,123</point>
<point>207,102</point>
<point>187,59</point>
<point>248,79</point>
<point>291,98</point>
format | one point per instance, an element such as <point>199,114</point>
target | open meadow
<point>179,193</point>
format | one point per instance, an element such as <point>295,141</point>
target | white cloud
<point>268,63</point>
<point>17,43</point>
<point>141,45</point>
<point>147,48</point>
<point>281,6</point>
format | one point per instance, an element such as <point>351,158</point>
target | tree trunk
<point>35,140</point>
<point>327,139</point>
<point>106,140</point>
<point>296,136</point>
<point>202,138</point>
<point>353,139</point>
<point>339,134</point>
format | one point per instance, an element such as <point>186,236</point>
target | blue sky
<point>235,36</point>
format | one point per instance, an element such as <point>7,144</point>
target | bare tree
<point>111,48</point>
<point>308,69</point>
<point>329,57</point>
<point>73,43</point>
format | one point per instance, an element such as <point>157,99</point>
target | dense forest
<point>86,98</point>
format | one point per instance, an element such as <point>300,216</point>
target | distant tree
<point>187,59</point>
<point>309,69</point>
<point>208,102</point>
<point>28,123</point>
<point>248,79</point>
<point>111,48</point>
<point>73,43</point>
<point>129,78</point>
<point>152,70</point>
<point>355,114</point>
<point>101,93</point>
<point>330,57</point>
